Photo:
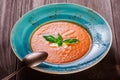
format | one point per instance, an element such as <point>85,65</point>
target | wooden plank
<point>3,71</point>
<point>116,23</point>
<point>8,59</point>
<point>38,3</point>
<point>55,1</point>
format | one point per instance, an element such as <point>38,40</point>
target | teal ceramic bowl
<point>93,22</point>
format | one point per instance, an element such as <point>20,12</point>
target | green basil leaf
<point>70,41</point>
<point>59,37</point>
<point>50,38</point>
<point>59,43</point>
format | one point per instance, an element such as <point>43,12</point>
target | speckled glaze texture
<point>95,24</point>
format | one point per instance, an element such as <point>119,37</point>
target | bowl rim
<point>64,72</point>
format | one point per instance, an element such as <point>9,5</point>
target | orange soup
<point>61,54</point>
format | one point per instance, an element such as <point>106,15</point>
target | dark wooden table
<point>12,10</point>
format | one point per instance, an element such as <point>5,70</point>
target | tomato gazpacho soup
<point>63,41</point>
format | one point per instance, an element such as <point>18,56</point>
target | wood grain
<point>116,21</point>
<point>12,10</point>
<point>6,55</point>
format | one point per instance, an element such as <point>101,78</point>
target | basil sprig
<point>59,40</point>
<point>70,41</point>
<point>50,38</point>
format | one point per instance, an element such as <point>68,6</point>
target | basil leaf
<point>59,37</point>
<point>59,42</point>
<point>70,41</point>
<point>50,38</point>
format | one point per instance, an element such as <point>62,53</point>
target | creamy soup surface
<point>60,54</point>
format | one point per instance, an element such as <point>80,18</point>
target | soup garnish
<point>59,40</point>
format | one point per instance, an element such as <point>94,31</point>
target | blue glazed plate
<point>95,24</point>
